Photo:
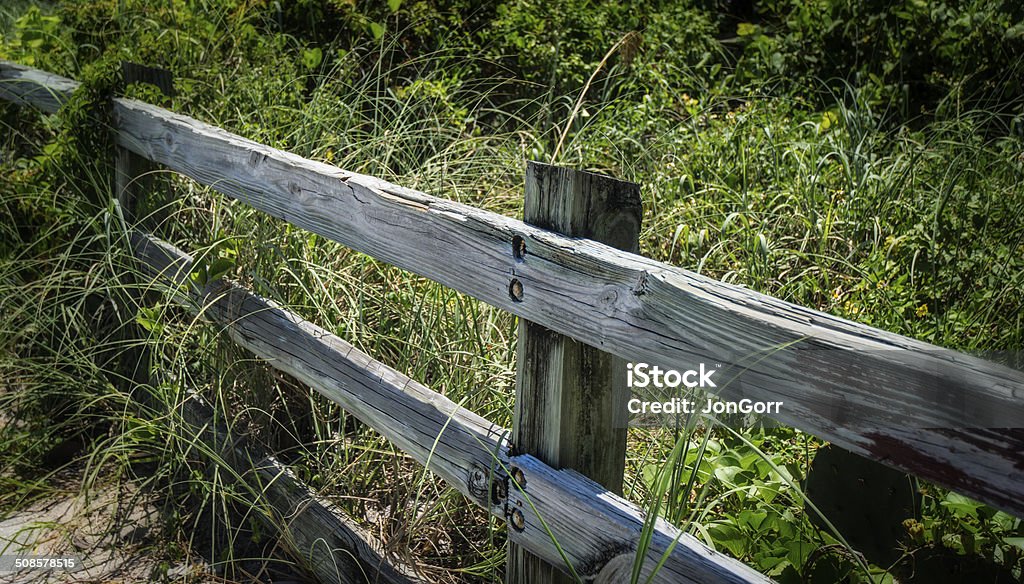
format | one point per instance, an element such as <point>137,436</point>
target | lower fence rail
<point>321,537</point>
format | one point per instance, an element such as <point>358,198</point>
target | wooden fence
<point>947,417</point>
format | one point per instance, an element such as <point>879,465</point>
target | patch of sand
<point>113,541</point>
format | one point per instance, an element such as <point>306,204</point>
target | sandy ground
<point>116,533</point>
<point>69,523</point>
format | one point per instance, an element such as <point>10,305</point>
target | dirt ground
<point>116,534</point>
<point>113,542</point>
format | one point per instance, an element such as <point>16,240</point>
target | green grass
<point>820,196</point>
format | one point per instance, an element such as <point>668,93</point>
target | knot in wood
<point>515,290</point>
<point>519,248</point>
<point>479,486</point>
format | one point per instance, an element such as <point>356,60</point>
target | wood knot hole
<point>498,492</point>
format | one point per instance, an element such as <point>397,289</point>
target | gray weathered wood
<point>313,530</point>
<point>944,416</point>
<point>27,86</point>
<point>570,397</point>
<point>597,530</point>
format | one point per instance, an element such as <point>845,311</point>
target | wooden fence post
<point>570,408</point>
<point>132,182</point>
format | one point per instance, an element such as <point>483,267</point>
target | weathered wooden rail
<point>947,417</point>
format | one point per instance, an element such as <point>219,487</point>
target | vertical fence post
<point>131,180</point>
<point>131,184</point>
<point>570,408</point>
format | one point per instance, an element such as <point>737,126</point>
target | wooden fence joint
<point>503,488</point>
<point>570,397</point>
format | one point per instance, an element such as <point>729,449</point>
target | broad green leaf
<point>219,268</point>
<point>1014,541</point>
<point>727,474</point>
<point>311,58</point>
<point>960,505</point>
<point>747,29</point>
<point>729,537</point>
<point>752,519</point>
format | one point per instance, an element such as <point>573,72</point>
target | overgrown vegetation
<point>861,158</point>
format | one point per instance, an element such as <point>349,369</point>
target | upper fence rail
<point>947,417</point>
